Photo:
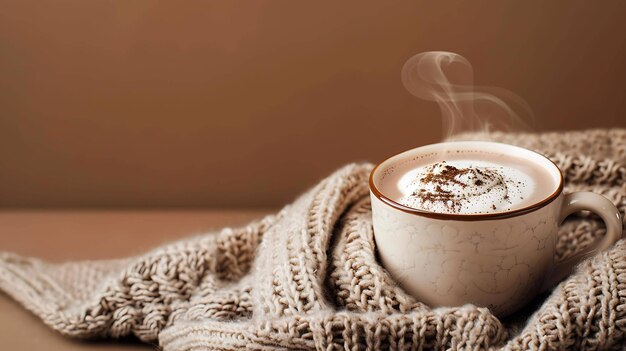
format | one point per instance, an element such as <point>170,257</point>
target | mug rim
<point>467,217</point>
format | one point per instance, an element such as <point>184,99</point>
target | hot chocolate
<point>476,222</point>
<point>467,182</point>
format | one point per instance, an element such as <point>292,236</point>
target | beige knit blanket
<point>307,278</point>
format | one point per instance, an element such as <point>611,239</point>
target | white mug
<point>498,260</point>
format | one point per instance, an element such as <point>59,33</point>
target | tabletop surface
<point>92,234</point>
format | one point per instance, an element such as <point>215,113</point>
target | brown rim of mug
<point>468,217</point>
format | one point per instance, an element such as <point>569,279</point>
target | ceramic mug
<point>497,260</point>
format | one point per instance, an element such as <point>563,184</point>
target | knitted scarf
<point>308,278</point>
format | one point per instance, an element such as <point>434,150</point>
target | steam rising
<point>448,79</point>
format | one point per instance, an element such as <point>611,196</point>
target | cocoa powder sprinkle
<point>443,176</point>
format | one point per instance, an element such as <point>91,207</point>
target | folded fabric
<point>308,278</point>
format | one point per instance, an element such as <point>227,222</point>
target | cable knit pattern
<point>308,278</point>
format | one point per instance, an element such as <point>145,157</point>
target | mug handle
<point>600,205</point>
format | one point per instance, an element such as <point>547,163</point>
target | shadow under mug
<point>498,260</point>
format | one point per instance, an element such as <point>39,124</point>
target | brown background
<point>246,104</point>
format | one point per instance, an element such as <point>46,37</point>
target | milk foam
<point>465,187</point>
